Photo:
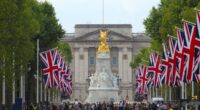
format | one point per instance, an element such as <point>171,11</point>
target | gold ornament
<point>103,42</point>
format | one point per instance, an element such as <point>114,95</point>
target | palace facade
<point>123,46</point>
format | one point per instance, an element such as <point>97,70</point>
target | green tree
<point>141,58</point>
<point>21,23</point>
<point>17,25</point>
<point>162,21</point>
<point>65,50</point>
<point>50,31</point>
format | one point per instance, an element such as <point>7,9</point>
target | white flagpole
<point>49,95</point>
<point>4,86</point>
<point>45,94</point>
<point>156,92</point>
<point>21,87</point>
<point>21,84</point>
<point>165,93</point>
<point>24,89</point>
<point>53,96</point>
<point>153,92</point>
<point>41,95</point>
<point>170,94</point>
<point>102,11</point>
<point>185,91</point>
<point>13,92</point>
<point>186,95</point>
<point>192,88</point>
<point>37,71</point>
<point>57,96</point>
<point>182,91</point>
<point>150,93</point>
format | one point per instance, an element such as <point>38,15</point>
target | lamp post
<point>88,83</point>
<point>118,79</point>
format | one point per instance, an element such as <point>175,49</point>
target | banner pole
<point>13,92</point>
<point>4,86</point>
<point>37,71</point>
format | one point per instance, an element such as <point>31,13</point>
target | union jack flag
<point>173,62</point>
<point>49,65</point>
<point>62,72</point>
<point>196,67</point>
<point>155,69</point>
<point>137,80</point>
<point>143,79</point>
<point>198,23</point>
<point>67,82</point>
<point>189,48</point>
<point>166,67</point>
<point>180,55</point>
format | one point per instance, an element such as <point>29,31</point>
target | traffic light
<point>194,97</point>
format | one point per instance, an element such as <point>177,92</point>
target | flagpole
<point>21,84</point>
<point>192,88</point>
<point>49,95</point>
<point>37,71</point>
<point>185,90</point>
<point>45,94</point>
<point>186,95</point>
<point>48,50</point>
<point>53,96</point>
<point>170,94</point>
<point>4,86</point>
<point>188,22</point>
<point>41,95</point>
<point>150,93</point>
<point>153,92</point>
<point>165,93</point>
<point>13,92</point>
<point>102,11</point>
<point>156,92</point>
<point>196,9</point>
<point>182,93</point>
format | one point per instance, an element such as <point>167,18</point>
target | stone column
<point>129,70</point>
<point>120,56</point>
<point>85,66</point>
<point>124,65</point>
<point>76,64</point>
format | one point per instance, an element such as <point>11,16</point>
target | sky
<point>72,12</point>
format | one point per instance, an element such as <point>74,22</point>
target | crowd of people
<point>121,105</point>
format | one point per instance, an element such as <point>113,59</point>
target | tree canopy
<point>163,19</point>
<point>21,23</point>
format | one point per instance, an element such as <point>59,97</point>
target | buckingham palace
<point>123,44</point>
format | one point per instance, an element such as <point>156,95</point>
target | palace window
<point>91,60</point>
<point>114,60</point>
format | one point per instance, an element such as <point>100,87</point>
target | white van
<point>157,100</point>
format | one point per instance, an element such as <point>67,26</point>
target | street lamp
<point>118,79</point>
<point>88,82</point>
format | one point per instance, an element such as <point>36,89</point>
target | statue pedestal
<point>103,84</point>
<point>102,94</point>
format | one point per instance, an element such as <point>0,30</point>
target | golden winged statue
<point>103,42</point>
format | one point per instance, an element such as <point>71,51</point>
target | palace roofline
<point>103,26</point>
